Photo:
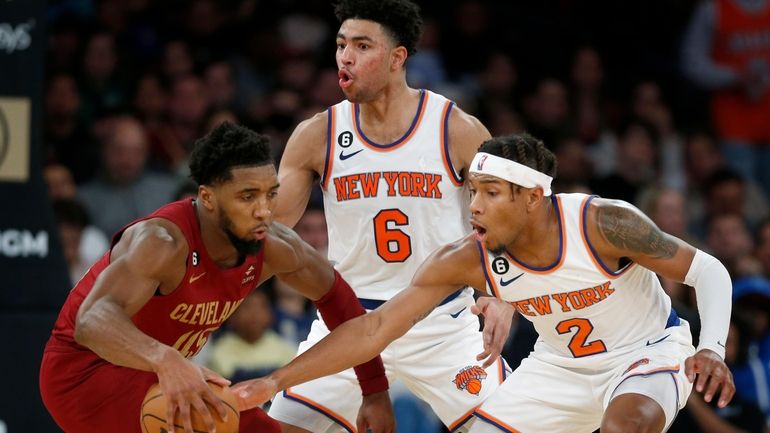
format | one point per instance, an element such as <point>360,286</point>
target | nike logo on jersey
<point>506,282</point>
<point>650,343</point>
<point>343,156</point>
<point>194,278</point>
<point>457,314</point>
<point>720,343</point>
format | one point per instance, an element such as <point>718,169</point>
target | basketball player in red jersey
<point>171,279</point>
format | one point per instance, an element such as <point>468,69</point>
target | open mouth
<point>345,79</point>
<point>480,230</point>
<point>259,232</point>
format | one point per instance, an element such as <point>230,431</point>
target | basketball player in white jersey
<point>391,161</point>
<point>612,353</point>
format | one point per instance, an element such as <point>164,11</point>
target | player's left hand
<point>254,393</point>
<point>498,316</point>
<point>712,373</point>
<point>376,414</point>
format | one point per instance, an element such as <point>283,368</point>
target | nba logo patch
<point>480,165</point>
<point>469,379</point>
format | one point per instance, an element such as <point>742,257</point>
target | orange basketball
<point>153,414</point>
<point>474,386</point>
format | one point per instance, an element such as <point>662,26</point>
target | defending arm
<point>713,290</point>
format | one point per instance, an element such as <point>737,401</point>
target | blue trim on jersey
<point>458,179</point>
<point>494,423</point>
<point>505,367</point>
<point>329,134</point>
<point>676,387</point>
<point>397,142</point>
<point>319,410</point>
<point>484,268</point>
<point>673,319</point>
<point>561,243</point>
<point>591,247</point>
<point>461,422</point>
<point>373,304</point>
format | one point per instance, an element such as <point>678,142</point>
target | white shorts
<point>436,360</point>
<point>541,396</point>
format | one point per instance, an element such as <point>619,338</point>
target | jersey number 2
<point>393,245</point>
<point>578,345</point>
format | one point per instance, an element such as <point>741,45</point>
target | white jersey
<point>388,206</point>
<point>585,314</point>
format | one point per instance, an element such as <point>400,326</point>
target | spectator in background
<point>103,89</point>
<point>636,165</point>
<point>741,415</point>
<point>548,111</point>
<point>177,62</point>
<point>426,67</point>
<point>593,112</point>
<point>220,85</point>
<point>93,243</point>
<point>728,238</point>
<point>124,191</point>
<point>726,51</point>
<point>188,105</point>
<point>649,105</point>
<point>72,220</point>
<point>575,169</point>
<point>67,141</point>
<point>248,348</point>
<point>762,251</point>
<point>726,192</point>
<point>752,377</point>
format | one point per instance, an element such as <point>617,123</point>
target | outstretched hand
<point>498,316</point>
<point>712,374</point>
<point>254,393</point>
<point>376,414</point>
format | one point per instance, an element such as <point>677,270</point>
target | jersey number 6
<point>393,245</point>
<point>577,345</point>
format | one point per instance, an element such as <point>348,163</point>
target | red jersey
<point>184,319</point>
<point>742,40</point>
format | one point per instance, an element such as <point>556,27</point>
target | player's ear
<point>534,198</point>
<point>206,197</point>
<point>398,57</point>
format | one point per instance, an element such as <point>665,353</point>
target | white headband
<point>512,171</point>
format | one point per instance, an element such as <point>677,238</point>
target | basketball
<point>473,386</point>
<point>153,414</point>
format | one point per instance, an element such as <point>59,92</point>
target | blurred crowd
<point>637,107</point>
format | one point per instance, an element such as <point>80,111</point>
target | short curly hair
<point>524,149</point>
<point>400,18</point>
<point>226,147</point>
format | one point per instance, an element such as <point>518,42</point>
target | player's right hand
<point>184,386</point>
<point>498,317</point>
<point>712,374</point>
<point>255,392</point>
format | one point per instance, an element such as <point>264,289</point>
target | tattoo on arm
<point>628,230</point>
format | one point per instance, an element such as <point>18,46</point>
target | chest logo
<point>470,378</point>
<point>500,266</point>
<point>344,156</point>
<point>194,278</point>
<point>506,282</point>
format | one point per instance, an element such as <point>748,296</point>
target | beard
<point>244,247</point>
